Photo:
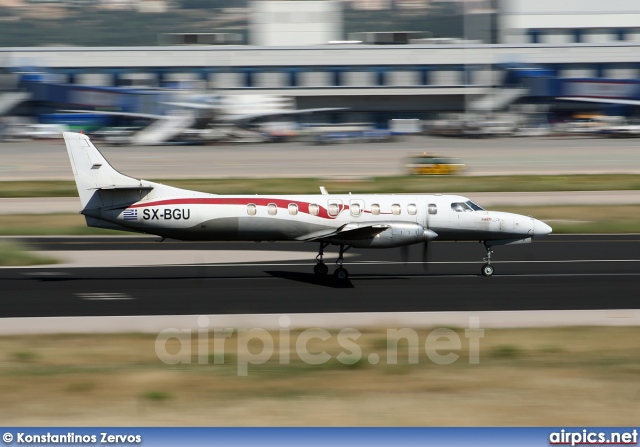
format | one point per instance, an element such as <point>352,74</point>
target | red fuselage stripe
<point>303,207</point>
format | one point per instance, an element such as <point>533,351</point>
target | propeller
<point>404,250</point>
<point>425,256</point>
<point>428,236</point>
<point>404,253</point>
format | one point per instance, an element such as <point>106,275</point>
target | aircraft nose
<point>540,228</point>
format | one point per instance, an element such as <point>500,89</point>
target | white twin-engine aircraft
<point>114,201</point>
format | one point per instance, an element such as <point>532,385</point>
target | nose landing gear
<point>487,268</point>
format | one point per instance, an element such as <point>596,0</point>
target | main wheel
<point>341,274</point>
<point>487,270</point>
<point>320,269</point>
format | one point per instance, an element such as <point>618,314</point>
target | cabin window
<point>334,209</point>
<point>396,209</point>
<point>355,209</point>
<point>293,209</point>
<point>314,209</point>
<point>251,209</point>
<point>433,208</point>
<point>272,209</point>
<point>412,209</point>
<point>375,209</point>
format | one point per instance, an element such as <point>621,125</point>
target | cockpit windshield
<point>465,207</point>
<point>475,206</point>
<point>461,207</point>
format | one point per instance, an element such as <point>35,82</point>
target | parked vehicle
<point>426,164</point>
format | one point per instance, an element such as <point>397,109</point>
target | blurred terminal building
<point>529,52</point>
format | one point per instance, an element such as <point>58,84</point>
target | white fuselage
<point>298,217</point>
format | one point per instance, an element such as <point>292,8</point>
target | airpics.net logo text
<point>313,346</point>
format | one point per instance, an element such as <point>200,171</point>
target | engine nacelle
<point>397,234</point>
<point>491,243</point>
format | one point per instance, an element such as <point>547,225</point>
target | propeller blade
<point>429,235</point>
<point>404,253</point>
<point>425,256</point>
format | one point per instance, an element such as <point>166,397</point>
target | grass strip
<point>403,184</point>
<point>521,375</point>
<point>14,254</point>
<point>49,225</point>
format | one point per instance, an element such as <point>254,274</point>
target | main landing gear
<point>487,268</point>
<point>321,269</point>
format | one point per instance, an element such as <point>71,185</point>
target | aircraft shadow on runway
<point>312,278</point>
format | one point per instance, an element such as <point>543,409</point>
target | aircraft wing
<point>194,105</point>
<point>348,231</point>
<point>256,116</point>
<point>123,114</point>
<point>626,102</point>
<point>162,129</point>
<point>252,116</point>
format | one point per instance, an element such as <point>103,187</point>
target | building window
<point>272,209</point>
<point>534,35</point>
<point>293,209</point>
<point>314,209</point>
<point>396,209</point>
<point>375,209</point>
<point>251,209</point>
<point>577,35</point>
<point>412,209</point>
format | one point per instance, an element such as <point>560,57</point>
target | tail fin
<point>93,172</point>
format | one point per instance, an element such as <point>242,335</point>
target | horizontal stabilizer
<point>99,223</point>
<point>123,188</point>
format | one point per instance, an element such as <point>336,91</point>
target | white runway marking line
<point>104,296</point>
<point>264,264</point>
<point>558,261</point>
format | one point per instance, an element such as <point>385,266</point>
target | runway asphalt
<point>556,273</point>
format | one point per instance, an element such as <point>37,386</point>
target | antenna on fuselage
<point>323,190</point>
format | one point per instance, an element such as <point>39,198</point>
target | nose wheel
<point>487,268</point>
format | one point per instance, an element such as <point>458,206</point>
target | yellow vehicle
<point>425,164</point>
